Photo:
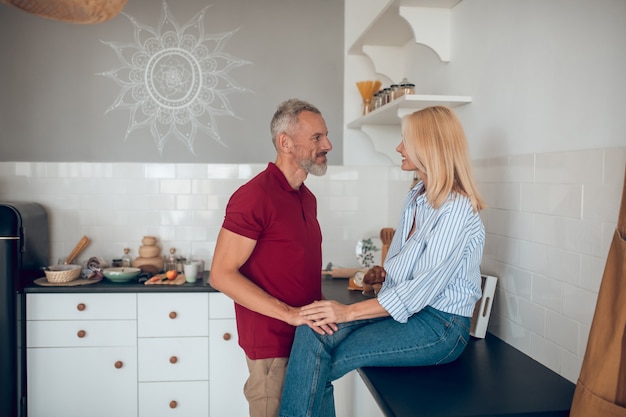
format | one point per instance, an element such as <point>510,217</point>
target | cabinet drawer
<point>81,306</point>
<point>173,359</point>
<point>80,333</point>
<point>174,399</point>
<point>220,306</point>
<point>180,314</point>
<point>94,382</point>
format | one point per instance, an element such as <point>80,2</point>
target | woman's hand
<point>295,317</point>
<point>325,313</point>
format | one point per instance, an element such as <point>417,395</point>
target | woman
<point>430,281</point>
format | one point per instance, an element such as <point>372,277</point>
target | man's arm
<point>231,252</point>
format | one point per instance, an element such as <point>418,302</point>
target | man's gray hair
<point>286,116</point>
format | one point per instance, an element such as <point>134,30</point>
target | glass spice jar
<point>394,92</point>
<point>126,259</point>
<point>407,88</point>
<point>386,95</point>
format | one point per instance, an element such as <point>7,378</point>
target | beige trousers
<point>264,386</point>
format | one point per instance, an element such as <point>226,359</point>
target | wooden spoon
<point>386,235</point>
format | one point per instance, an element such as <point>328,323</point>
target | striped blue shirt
<point>439,265</point>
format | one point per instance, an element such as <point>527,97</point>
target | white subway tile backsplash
<point>547,292</point>
<point>508,196</point>
<point>550,168</point>
<point>533,256</point>
<point>191,171</point>
<point>191,202</point>
<point>532,317</point>
<point>160,171</point>
<point>507,250</point>
<point>521,225</point>
<point>565,200</point>
<point>176,218</point>
<point>175,186</point>
<point>517,281</point>
<point>521,169</point>
<point>579,304</point>
<point>545,352</point>
<point>549,222</point>
<point>128,170</point>
<point>601,202</point>
<point>586,166</point>
<point>498,222</point>
<point>535,198</point>
<point>216,171</point>
<point>562,331</point>
<point>614,166</point>
<point>549,230</point>
<point>563,265</point>
<point>591,271</point>
<point>584,236</point>
<point>570,365</point>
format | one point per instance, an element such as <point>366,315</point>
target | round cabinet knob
<point>173,315</point>
<point>119,364</point>
<point>173,404</point>
<point>227,336</point>
<point>81,333</point>
<point>173,359</point>
<point>81,307</point>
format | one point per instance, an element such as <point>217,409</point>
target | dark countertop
<point>335,289</point>
<point>490,378</point>
<point>107,286</point>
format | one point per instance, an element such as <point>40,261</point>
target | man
<point>268,256</point>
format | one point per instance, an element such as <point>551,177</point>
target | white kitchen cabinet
<point>81,355</point>
<point>139,354</point>
<point>173,354</point>
<point>227,362</point>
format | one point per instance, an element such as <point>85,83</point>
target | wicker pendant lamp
<point>72,11</point>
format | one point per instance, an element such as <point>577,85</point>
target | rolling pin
<point>342,272</point>
<point>82,244</point>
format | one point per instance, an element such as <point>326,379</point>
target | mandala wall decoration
<point>174,79</point>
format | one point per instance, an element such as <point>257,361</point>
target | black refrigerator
<point>24,250</point>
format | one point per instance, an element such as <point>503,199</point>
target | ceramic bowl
<point>123,274</point>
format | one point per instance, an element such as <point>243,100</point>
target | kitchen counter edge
<point>334,289</point>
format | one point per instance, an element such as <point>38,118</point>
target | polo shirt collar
<point>280,177</point>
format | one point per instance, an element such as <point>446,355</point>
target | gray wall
<point>54,100</point>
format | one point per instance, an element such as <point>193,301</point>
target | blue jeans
<point>430,337</point>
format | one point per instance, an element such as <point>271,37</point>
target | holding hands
<point>323,316</point>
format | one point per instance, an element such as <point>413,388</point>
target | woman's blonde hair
<point>435,142</point>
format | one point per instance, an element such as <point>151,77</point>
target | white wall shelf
<point>400,21</point>
<point>391,113</point>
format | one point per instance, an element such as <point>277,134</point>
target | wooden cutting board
<point>179,280</point>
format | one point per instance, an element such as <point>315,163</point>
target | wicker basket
<point>73,11</point>
<point>62,273</point>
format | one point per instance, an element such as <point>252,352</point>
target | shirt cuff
<point>390,301</point>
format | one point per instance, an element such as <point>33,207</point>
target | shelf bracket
<point>431,27</point>
<point>389,61</point>
<point>380,136</point>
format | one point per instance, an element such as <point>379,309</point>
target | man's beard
<point>311,167</point>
